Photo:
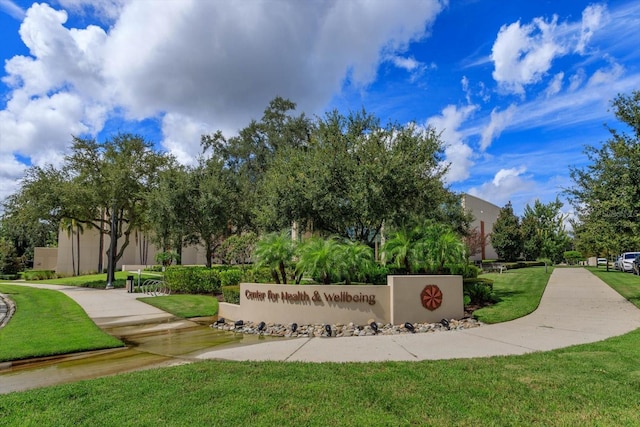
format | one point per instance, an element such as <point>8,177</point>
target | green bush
<point>478,291</point>
<point>522,264</point>
<point>193,280</point>
<point>39,275</point>
<point>377,274</point>
<point>231,294</point>
<point>154,268</point>
<point>9,276</point>
<point>467,271</point>
<point>257,275</point>
<point>231,277</point>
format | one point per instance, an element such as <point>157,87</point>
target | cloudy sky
<point>517,88</point>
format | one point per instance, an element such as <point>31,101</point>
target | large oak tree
<point>606,193</point>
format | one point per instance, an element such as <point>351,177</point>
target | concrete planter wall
<point>404,299</point>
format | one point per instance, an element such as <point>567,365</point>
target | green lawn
<point>99,281</point>
<point>185,306</point>
<point>519,292</point>
<point>591,384</point>
<point>594,384</point>
<point>627,284</point>
<point>48,323</point>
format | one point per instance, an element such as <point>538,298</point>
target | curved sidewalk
<point>576,308</point>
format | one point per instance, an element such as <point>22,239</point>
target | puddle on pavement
<point>148,346</point>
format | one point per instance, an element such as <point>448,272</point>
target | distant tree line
<point>341,175</point>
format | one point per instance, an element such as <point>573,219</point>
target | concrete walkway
<point>110,308</point>
<point>576,308</point>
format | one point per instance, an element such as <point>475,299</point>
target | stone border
<point>7,308</point>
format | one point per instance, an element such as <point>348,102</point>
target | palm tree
<point>357,260</point>
<point>442,246</point>
<point>275,250</point>
<point>321,259</point>
<point>73,229</point>
<point>404,247</point>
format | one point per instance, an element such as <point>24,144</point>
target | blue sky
<point>517,88</point>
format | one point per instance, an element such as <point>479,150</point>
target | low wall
<point>404,299</point>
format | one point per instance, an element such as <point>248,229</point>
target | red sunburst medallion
<point>431,297</point>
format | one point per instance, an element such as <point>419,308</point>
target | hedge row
<point>202,280</point>
<point>231,294</point>
<point>39,275</point>
<point>193,280</point>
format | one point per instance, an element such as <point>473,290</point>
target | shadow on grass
<point>501,295</point>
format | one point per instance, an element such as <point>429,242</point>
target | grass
<point>185,306</point>
<point>594,384</point>
<point>591,384</point>
<point>518,291</point>
<point>99,281</point>
<point>48,323</point>
<point>626,284</point>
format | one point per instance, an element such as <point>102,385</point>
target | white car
<point>617,262</point>
<point>626,263</point>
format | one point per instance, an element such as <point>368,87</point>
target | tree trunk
<point>73,253</point>
<point>283,273</point>
<point>101,244</point>
<point>78,247</point>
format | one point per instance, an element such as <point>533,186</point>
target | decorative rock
<point>342,330</point>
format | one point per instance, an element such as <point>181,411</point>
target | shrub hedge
<point>193,280</point>
<point>39,275</point>
<point>478,290</point>
<point>231,294</point>
<point>231,277</point>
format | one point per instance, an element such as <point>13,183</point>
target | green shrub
<point>522,264</point>
<point>154,268</point>
<point>38,275</point>
<point>478,291</point>
<point>377,274</point>
<point>231,277</point>
<point>9,276</point>
<point>231,294</point>
<point>193,280</point>
<point>257,275</point>
<point>467,271</point>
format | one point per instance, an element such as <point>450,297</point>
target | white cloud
<point>606,76</point>
<point>555,85</point>
<point>593,17</point>
<point>457,152</point>
<point>409,64</point>
<point>200,65</point>
<point>505,184</point>
<point>499,121</point>
<point>109,9</point>
<point>576,79</point>
<point>522,54</point>
<point>12,9</point>
<point>11,170</point>
<point>182,137</point>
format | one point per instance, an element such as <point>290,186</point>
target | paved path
<point>576,308</point>
<point>109,307</point>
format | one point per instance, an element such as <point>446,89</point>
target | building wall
<point>485,215</point>
<point>45,258</point>
<point>140,251</point>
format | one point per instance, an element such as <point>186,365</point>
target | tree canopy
<point>606,193</point>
